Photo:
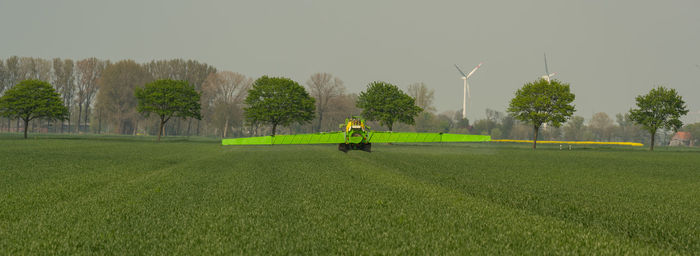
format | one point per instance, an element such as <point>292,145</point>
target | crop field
<point>122,195</point>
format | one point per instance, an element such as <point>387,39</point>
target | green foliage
<point>542,102</point>
<point>96,195</point>
<point>32,99</point>
<point>483,126</point>
<point>660,108</point>
<point>168,98</point>
<point>278,101</point>
<point>386,103</point>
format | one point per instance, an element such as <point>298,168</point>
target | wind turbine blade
<point>552,74</point>
<point>474,70</point>
<point>460,71</point>
<point>546,69</point>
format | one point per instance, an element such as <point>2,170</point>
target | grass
<point>123,195</point>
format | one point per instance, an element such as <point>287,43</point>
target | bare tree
<point>12,77</point>
<point>602,126</point>
<point>34,68</point>
<point>423,95</point>
<point>324,87</point>
<point>196,74</point>
<point>223,96</point>
<point>3,86</point>
<point>87,72</point>
<point>116,95</point>
<point>575,128</point>
<point>339,108</point>
<point>64,81</point>
<point>3,77</point>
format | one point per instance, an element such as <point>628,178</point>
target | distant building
<point>682,139</point>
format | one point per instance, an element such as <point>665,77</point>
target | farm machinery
<point>356,135</point>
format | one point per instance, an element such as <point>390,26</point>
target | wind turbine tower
<point>467,91</point>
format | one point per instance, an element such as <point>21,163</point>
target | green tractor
<point>356,134</point>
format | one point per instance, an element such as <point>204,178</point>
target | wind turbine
<point>547,76</point>
<point>467,91</point>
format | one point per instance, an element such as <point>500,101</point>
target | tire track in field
<point>548,233</point>
<point>652,222</point>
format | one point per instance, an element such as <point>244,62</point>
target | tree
<point>223,94</point>
<point>507,124</point>
<point>116,97</point>
<point>574,128</point>
<point>12,77</point>
<point>483,126</point>
<point>3,76</point>
<point>34,68</point>
<point>3,86</point>
<point>278,101</point>
<point>339,108</point>
<point>64,80</point>
<point>167,98</point>
<point>628,130</point>
<point>660,108</point>
<point>602,126</point>
<point>32,99</point>
<point>324,87</point>
<point>386,103</point>
<point>542,102</point>
<point>87,72</point>
<point>423,95</point>
<point>194,72</point>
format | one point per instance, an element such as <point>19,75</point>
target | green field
<point>121,195</point>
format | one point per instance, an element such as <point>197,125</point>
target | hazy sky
<point>609,51</point>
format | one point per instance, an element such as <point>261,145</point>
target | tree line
<point>99,98</point>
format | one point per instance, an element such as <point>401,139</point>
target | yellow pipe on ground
<point>634,144</point>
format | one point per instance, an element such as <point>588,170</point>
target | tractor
<point>356,135</point>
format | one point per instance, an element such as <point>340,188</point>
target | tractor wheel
<point>343,147</point>
<point>367,147</point>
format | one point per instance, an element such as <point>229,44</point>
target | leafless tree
<point>3,77</point>
<point>602,126</point>
<point>3,86</point>
<point>12,77</point>
<point>87,73</point>
<point>64,81</point>
<point>423,95</point>
<point>339,108</point>
<point>324,87</point>
<point>223,96</point>
<point>116,95</point>
<point>34,68</point>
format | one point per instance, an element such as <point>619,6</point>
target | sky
<point>608,51</point>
